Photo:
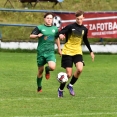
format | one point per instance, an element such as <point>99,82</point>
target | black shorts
<point>67,60</point>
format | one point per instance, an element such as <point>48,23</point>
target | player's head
<point>79,17</point>
<point>48,18</point>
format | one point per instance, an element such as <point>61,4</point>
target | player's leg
<point>51,66</point>
<point>78,61</point>
<point>40,63</point>
<point>51,60</point>
<point>79,67</point>
<point>39,78</point>
<point>66,62</point>
<point>69,74</point>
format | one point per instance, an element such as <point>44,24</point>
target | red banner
<point>99,24</point>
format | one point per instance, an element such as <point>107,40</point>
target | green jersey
<point>46,42</point>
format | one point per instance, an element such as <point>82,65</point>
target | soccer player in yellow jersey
<point>74,33</point>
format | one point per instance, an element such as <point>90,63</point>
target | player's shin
<point>39,80</point>
<point>62,85</point>
<point>73,80</point>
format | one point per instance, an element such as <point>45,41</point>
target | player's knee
<point>40,72</point>
<point>69,75</point>
<point>52,68</point>
<point>79,71</point>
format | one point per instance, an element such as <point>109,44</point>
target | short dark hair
<point>79,13</point>
<point>48,13</point>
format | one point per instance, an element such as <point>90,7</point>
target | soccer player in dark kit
<point>74,33</point>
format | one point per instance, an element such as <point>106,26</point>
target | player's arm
<point>85,39</point>
<point>36,33</point>
<point>64,31</point>
<point>57,41</point>
<point>59,46</point>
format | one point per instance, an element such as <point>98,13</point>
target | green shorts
<point>45,58</point>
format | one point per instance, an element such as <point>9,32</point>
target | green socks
<point>47,69</point>
<point>39,80</point>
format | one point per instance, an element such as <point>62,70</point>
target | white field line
<point>18,99</point>
<point>92,19</point>
<point>71,115</point>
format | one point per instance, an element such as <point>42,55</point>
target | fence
<point>100,24</point>
<point>63,14</point>
<point>19,10</point>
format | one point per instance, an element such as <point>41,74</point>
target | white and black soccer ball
<point>62,77</point>
<point>57,21</point>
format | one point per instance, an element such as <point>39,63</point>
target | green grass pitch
<point>96,89</point>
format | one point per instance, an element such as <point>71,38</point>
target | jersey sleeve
<point>85,39</point>
<point>36,31</point>
<point>65,30</point>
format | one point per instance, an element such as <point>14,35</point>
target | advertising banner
<point>99,24</point>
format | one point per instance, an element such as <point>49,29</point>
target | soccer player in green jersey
<point>46,34</point>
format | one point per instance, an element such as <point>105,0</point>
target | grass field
<point>96,94</point>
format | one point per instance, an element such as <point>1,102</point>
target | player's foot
<point>71,91</point>
<point>47,73</point>
<point>39,89</point>
<point>60,93</point>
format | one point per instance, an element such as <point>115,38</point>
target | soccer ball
<point>57,21</point>
<point>62,77</point>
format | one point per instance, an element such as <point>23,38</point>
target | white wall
<point>30,45</point>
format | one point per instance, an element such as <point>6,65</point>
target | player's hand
<point>40,35</point>
<point>60,52</point>
<point>92,56</point>
<point>61,36</point>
